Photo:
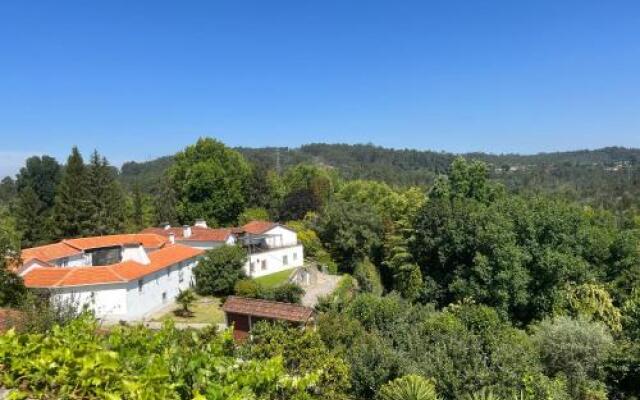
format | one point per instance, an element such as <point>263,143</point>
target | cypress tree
<point>107,201</point>
<point>72,201</point>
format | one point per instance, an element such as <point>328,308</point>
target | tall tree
<point>72,208</point>
<point>107,198</point>
<point>165,202</point>
<point>12,289</point>
<point>210,181</point>
<point>42,174</point>
<point>138,207</point>
<point>7,190</point>
<point>29,213</point>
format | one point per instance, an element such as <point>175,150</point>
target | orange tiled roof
<point>198,234</point>
<point>267,309</point>
<point>148,240</point>
<point>258,227</point>
<point>52,277</point>
<point>49,252</point>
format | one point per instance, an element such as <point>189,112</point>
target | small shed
<point>243,313</point>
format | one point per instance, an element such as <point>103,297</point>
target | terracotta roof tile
<point>49,252</point>
<point>51,277</point>
<point>258,227</point>
<point>267,309</point>
<point>148,240</point>
<point>198,234</point>
<point>44,277</point>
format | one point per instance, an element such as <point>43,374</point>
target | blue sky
<point>142,79</point>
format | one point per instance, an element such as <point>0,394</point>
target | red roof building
<point>243,313</point>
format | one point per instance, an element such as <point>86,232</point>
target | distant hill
<point>582,171</point>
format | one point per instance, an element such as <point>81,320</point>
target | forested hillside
<point>478,280</point>
<point>608,177</point>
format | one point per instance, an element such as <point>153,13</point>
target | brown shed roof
<point>267,309</point>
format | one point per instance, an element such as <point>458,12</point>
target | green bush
<point>219,269</point>
<point>78,361</point>
<point>287,292</point>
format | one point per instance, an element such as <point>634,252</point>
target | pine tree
<point>138,210</point>
<point>165,203</point>
<point>29,218</point>
<point>107,201</point>
<point>72,201</point>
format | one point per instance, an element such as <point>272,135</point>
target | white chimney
<point>172,237</point>
<point>201,223</point>
<point>186,231</point>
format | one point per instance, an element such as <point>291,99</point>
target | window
<point>295,256</point>
<point>64,262</point>
<point>180,276</point>
<point>140,284</point>
<point>164,297</point>
<point>285,260</point>
<point>252,267</point>
<point>264,264</point>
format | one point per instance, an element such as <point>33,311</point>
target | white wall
<point>135,253</point>
<point>103,300</point>
<point>142,302</point>
<point>280,236</point>
<point>125,301</point>
<point>79,260</point>
<point>274,260</point>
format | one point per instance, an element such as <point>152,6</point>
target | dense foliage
<point>483,277</point>
<point>79,361</point>
<point>219,269</point>
<point>210,182</point>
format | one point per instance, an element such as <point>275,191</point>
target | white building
<point>119,277</point>
<point>272,247</point>
<point>128,277</point>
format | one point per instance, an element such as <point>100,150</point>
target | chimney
<point>201,223</point>
<point>186,232</point>
<point>172,237</point>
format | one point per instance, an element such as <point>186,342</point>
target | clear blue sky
<point>139,79</point>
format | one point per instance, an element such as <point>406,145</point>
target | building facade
<point>130,276</point>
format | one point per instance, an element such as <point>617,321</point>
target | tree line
<point>463,288</point>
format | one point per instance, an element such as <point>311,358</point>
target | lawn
<point>273,280</point>
<point>206,310</point>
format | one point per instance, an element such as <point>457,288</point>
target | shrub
<point>219,269</point>
<point>287,292</point>
<point>576,348</point>
<point>409,387</point>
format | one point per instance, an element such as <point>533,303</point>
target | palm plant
<point>185,298</point>
<point>409,387</point>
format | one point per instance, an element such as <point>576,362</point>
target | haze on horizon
<point>138,81</point>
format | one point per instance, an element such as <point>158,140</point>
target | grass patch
<point>205,310</point>
<point>273,280</point>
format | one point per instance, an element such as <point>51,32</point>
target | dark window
<point>105,256</point>
<point>140,284</point>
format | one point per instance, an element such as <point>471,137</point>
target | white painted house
<point>129,276</point>
<point>272,247</point>
<point>119,277</point>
